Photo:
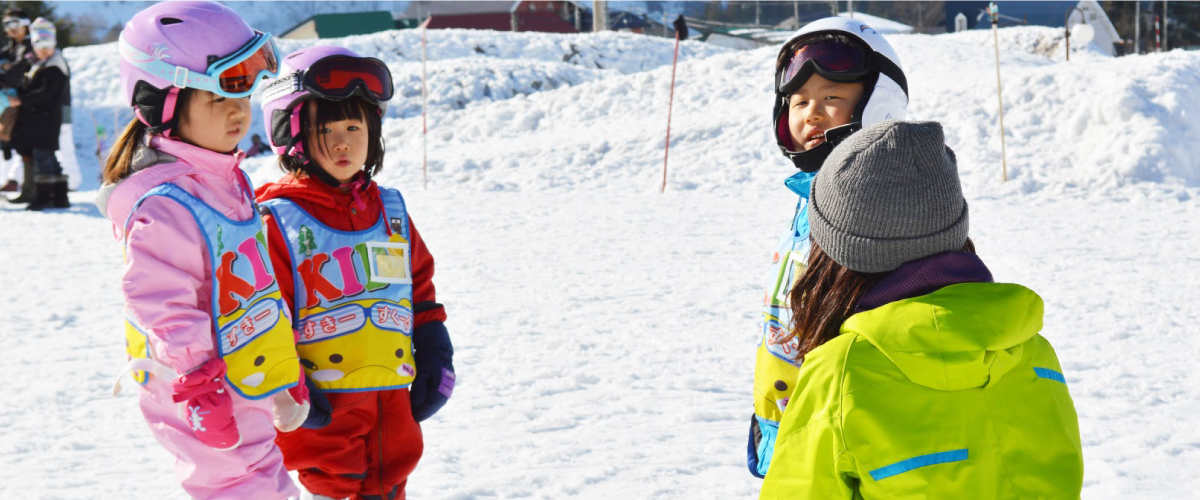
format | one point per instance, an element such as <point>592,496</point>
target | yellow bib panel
<point>137,345</point>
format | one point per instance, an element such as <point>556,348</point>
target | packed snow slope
<point>605,333</point>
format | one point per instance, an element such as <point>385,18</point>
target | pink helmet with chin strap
<point>189,44</point>
<point>322,72</point>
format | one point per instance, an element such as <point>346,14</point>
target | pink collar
<point>198,157</point>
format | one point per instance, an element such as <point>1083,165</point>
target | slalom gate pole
<point>670,104</point>
<point>424,106</point>
<point>999,98</point>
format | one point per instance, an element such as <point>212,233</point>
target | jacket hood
<point>56,60</point>
<point>314,191</point>
<point>120,205</point>
<point>177,158</point>
<point>959,337</point>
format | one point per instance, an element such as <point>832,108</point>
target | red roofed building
<point>532,15</point>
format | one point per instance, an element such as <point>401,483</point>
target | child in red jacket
<point>369,331</point>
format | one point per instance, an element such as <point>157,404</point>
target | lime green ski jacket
<point>953,394</point>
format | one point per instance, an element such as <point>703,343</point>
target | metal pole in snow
<point>995,12</point>
<point>1137,27</point>
<point>424,106</point>
<point>670,104</point>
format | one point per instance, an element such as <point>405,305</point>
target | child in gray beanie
<point>922,378</point>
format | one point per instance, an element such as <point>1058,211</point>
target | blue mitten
<point>435,372</point>
<point>320,413</point>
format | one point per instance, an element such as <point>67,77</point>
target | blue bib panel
<point>787,264</point>
<point>252,328</point>
<point>353,297</point>
<point>776,366</point>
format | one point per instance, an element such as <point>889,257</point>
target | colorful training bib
<point>776,365</point>
<point>252,327</point>
<point>353,297</point>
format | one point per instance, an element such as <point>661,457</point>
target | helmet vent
<point>167,21</point>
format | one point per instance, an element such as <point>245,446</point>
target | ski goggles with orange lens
<point>238,73</point>
<point>234,76</point>
<point>339,77</point>
<point>832,59</point>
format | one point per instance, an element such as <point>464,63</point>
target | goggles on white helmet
<point>841,50</point>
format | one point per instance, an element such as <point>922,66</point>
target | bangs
<point>353,108</point>
<point>328,112</point>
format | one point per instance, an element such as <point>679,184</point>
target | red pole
<point>1157,36</point>
<point>670,104</point>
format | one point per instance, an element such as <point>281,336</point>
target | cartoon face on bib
<point>254,327</point>
<point>358,345</point>
<point>252,363</point>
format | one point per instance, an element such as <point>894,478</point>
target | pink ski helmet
<point>322,72</point>
<point>189,44</point>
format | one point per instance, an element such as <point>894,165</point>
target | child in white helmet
<point>832,78</point>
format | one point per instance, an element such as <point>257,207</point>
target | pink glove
<point>209,407</point>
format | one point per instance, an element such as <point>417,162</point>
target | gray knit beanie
<point>887,195</point>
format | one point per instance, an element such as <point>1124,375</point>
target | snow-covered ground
<point>605,332</point>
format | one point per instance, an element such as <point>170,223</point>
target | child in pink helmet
<point>372,335</point>
<point>209,341</point>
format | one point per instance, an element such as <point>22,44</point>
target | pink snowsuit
<point>168,288</point>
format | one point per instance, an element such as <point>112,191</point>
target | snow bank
<point>465,67</point>
<point>1094,123</point>
<point>532,111</point>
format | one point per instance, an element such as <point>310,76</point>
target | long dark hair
<point>825,297</point>
<point>353,108</point>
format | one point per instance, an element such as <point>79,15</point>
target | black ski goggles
<point>835,60</point>
<point>339,77</point>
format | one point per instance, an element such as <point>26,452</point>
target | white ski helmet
<point>875,64</point>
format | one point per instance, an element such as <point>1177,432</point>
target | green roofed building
<point>342,24</point>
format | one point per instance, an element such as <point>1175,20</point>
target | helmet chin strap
<point>164,111</point>
<point>310,168</point>
<point>810,161</point>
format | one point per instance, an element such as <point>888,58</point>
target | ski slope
<point>605,332</point>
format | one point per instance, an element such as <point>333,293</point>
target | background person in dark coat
<point>39,103</point>
<point>16,26</point>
